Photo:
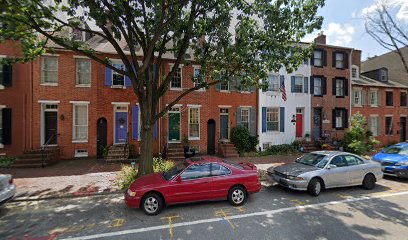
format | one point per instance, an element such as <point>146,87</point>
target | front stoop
<point>175,152</point>
<point>227,150</point>
<point>118,153</point>
<point>37,158</point>
<point>309,146</point>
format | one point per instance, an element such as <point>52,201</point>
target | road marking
<point>118,222</point>
<point>241,209</point>
<point>222,213</point>
<point>170,220</point>
<point>210,220</point>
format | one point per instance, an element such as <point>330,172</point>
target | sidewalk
<point>76,178</point>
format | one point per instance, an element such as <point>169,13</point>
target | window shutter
<point>292,84</point>
<point>363,97</point>
<point>6,138</point>
<point>252,122</point>
<point>346,87</point>
<point>334,59</point>
<point>378,126</point>
<point>311,85</point>
<point>282,80</point>
<point>108,76</point>
<point>346,60</point>
<point>324,58</point>
<point>324,85</point>
<point>128,83</point>
<point>334,87</point>
<point>238,117</point>
<point>379,98</point>
<point>263,119</point>
<point>306,84</point>
<point>135,122</point>
<point>352,99</point>
<point>7,75</point>
<point>334,118</point>
<point>345,118</point>
<point>312,60</point>
<point>369,123</point>
<point>282,119</point>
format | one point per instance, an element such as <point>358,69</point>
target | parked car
<point>196,179</point>
<point>7,188</point>
<point>394,160</point>
<point>326,169</point>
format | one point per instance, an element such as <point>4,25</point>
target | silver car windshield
<point>313,159</point>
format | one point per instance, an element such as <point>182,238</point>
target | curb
<point>82,195</point>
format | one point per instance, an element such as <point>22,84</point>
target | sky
<point>344,23</point>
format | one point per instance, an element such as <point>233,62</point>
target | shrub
<point>243,140</point>
<point>6,161</point>
<point>161,165</point>
<point>282,149</point>
<point>358,140</point>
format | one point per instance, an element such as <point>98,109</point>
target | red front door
<point>299,125</point>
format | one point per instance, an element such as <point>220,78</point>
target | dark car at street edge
<point>394,160</point>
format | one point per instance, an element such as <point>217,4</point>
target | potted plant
<point>186,143</point>
<point>307,137</point>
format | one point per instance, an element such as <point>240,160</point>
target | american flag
<point>282,90</point>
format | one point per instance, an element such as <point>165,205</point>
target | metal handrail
<point>43,148</point>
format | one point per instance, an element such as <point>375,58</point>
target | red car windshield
<point>175,170</point>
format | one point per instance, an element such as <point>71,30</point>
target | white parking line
<point>209,220</point>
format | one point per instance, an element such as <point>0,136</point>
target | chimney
<point>321,38</point>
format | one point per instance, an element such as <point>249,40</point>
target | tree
<point>389,33</point>
<point>229,39</point>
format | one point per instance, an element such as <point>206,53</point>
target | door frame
<point>115,110</point>
<point>42,120</point>
<point>168,122</point>
<point>301,112</point>
<point>320,123</point>
<point>212,122</point>
<point>228,123</point>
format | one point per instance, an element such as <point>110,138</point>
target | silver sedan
<point>326,169</point>
<point>7,188</point>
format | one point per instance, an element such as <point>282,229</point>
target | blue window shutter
<point>263,119</point>
<point>282,80</point>
<point>135,122</point>
<point>128,83</point>
<point>282,119</point>
<point>155,130</point>
<point>292,84</point>
<point>306,84</point>
<point>108,76</point>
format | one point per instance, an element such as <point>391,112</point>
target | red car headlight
<point>131,193</point>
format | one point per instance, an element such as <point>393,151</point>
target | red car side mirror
<point>178,179</point>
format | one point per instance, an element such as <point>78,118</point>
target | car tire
<point>152,204</point>
<point>369,182</point>
<point>237,196</point>
<point>315,187</point>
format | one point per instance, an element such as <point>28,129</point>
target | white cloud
<point>336,33</point>
<point>400,6</point>
<point>354,14</point>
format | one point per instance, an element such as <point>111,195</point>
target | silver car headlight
<point>296,178</point>
<point>402,163</point>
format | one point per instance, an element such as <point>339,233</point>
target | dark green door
<point>224,127</point>
<point>174,126</point>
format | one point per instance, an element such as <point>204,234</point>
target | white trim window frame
<point>118,79</point>
<point>317,88</point>
<point>49,70</point>
<point>318,60</point>
<point>1,72</point>
<point>83,76</point>
<point>357,94</point>
<point>193,123</point>
<point>354,72</point>
<point>374,123</point>
<point>339,119</point>
<point>374,98</point>
<point>245,117</point>
<point>339,57</point>
<point>80,123</point>
<point>273,82</point>
<point>196,72</point>
<point>178,76</point>
<point>299,84</point>
<point>339,87</point>
<point>272,119</point>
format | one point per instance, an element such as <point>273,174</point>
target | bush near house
<point>358,139</point>
<point>243,140</point>
<point>283,149</point>
<point>6,161</point>
<point>128,174</point>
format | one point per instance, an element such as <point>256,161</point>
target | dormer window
<point>383,75</point>
<point>354,72</point>
<point>77,35</point>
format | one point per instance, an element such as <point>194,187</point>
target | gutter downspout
<point>350,88</point>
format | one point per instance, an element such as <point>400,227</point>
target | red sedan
<point>198,179</point>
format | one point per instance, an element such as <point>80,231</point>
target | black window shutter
<point>334,118</point>
<point>345,60</point>
<point>334,87</point>
<point>324,85</point>
<point>7,72</point>
<point>346,87</point>
<point>334,59</point>
<point>6,113</point>
<point>312,85</point>
<point>345,117</point>
<point>312,60</point>
<point>324,58</point>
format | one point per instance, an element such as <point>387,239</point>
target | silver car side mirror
<point>331,166</point>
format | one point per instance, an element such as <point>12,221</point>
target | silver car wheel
<point>151,205</point>
<point>318,187</point>
<point>238,196</point>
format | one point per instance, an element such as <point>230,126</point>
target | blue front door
<point>121,126</point>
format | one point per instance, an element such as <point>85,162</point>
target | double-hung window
<point>245,115</point>
<point>272,119</point>
<point>318,58</point>
<point>374,98</point>
<point>198,79</point>
<point>389,101</point>
<point>273,83</point>
<point>80,122</point>
<point>403,99</point>
<point>388,126</point>
<point>357,97</point>
<point>194,123</point>
<point>118,79</point>
<point>176,81</point>
<point>339,58</point>
<point>298,84</point>
<point>83,72</point>
<point>374,124</point>
<point>49,70</point>
<point>339,87</point>
<point>317,86</point>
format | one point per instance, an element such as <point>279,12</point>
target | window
<point>219,170</point>
<point>317,86</point>
<point>354,73</point>
<point>339,88</point>
<point>265,146</point>
<point>339,119</point>
<point>1,127</point>
<point>224,86</point>
<point>196,171</point>
<point>118,79</point>
<point>81,153</point>
<point>197,78</point>
<point>245,118</point>
<point>403,99</point>
<point>383,75</point>
<point>318,58</point>
<point>388,126</point>
<point>272,119</point>
<point>176,81</point>
<point>273,83</point>
<point>374,124</point>
<point>80,122</point>
<point>339,57</point>
<point>194,123</point>
<point>352,160</point>
<point>83,72</point>
<point>1,76</point>
<point>389,99</point>
<point>49,70</point>
<point>374,98</point>
<point>338,161</point>
<point>298,84</point>
<point>77,35</point>
<point>357,97</point>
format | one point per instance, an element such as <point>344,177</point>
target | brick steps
<point>118,153</point>
<point>227,150</point>
<point>34,158</point>
<point>175,152</point>
<point>310,146</point>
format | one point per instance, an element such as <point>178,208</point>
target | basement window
<point>81,153</point>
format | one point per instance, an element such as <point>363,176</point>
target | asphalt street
<point>274,213</point>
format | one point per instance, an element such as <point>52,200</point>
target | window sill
<point>118,86</point>
<point>272,132</point>
<point>79,141</point>
<point>2,87</point>
<point>83,85</point>
<point>193,138</point>
<point>389,106</point>
<point>81,155</point>
<point>225,91</point>
<point>176,89</point>
<point>340,96</point>
<point>357,105</point>
<point>49,84</point>
<point>374,106</point>
<point>1,145</point>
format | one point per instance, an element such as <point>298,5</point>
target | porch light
<point>293,119</point>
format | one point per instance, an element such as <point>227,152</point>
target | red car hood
<point>150,180</point>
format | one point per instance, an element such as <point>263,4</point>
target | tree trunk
<point>146,148</point>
